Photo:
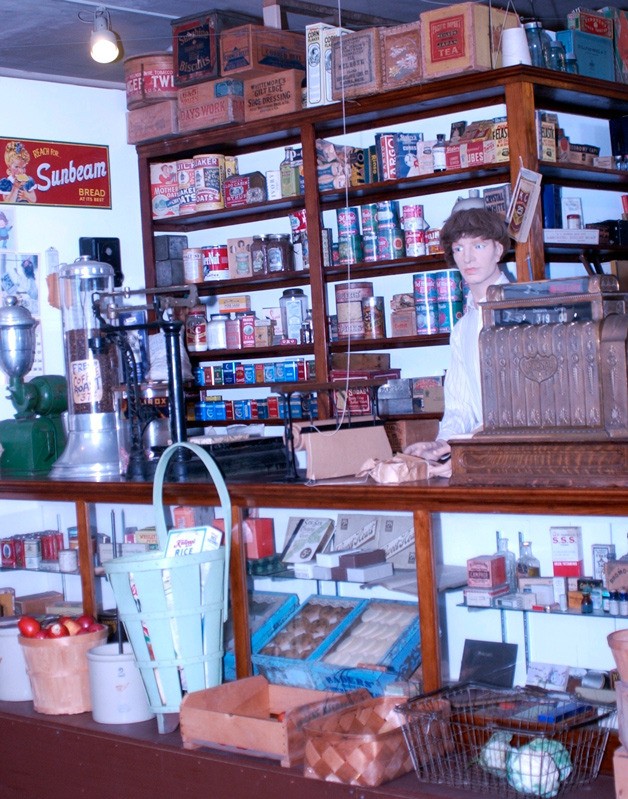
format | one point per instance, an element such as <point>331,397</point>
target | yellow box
<point>235,303</point>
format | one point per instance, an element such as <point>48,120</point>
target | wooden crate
<point>464,37</point>
<point>254,50</point>
<point>198,107</point>
<point>273,95</point>
<point>152,122</point>
<point>356,64</point>
<point>401,55</point>
<point>252,714</point>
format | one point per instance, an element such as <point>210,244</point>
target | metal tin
<point>369,247</point>
<point>447,314</point>
<point>390,243</point>
<point>32,552</point>
<point>350,249</point>
<point>348,220</point>
<point>68,560</point>
<point>424,287</point>
<point>193,265</point>
<point>433,241</point>
<point>186,180</point>
<point>209,176</point>
<point>368,214</point>
<point>349,298</point>
<point>426,318</point>
<point>164,189</point>
<point>449,285</point>
<point>387,214</point>
<point>149,79</point>
<point>215,262</point>
<point>373,317</point>
<point>412,216</point>
<point>415,242</point>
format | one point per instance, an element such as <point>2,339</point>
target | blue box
<point>594,54</point>
<point>249,373</point>
<point>267,612</point>
<point>334,615</point>
<point>269,373</point>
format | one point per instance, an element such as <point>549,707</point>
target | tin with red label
<point>448,314</point>
<point>209,176</point>
<point>424,287</point>
<point>20,554</point>
<point>215,262</point>
<point>8,553</point>
<point>348,220</point>
<point>186,180</point>
<point>415,242</point>
<point>390,244</point>
<point>432,238</point>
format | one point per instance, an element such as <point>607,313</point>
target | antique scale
<point>553,361</point>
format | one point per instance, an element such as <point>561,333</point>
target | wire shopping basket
<point>512,742</point>
<point>173,608</point>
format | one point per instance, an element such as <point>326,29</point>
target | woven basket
<point>362,745</point>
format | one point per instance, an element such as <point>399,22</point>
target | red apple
<point>95,627</point>
<point>57,630</point>
<point>41,634</point>
<point>85,620</point>
<point>28,626</point>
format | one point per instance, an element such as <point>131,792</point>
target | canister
<point>390,243</point>
<point>164,189</point>
<point>373,317</point>
<point>368,214</point>
<point>350,249</point>
<point>149,79</point>
<point>447,313</point>
<point>258,255</point>
<point>349,298</point>
<point>293,306</point>
<point>387,214</point>
<point>448,285</point>
<point>186,181</point>
<point>426,318</point>
<point>196,329</point>
<point>348,220</point>
<point>193,265</point>
<point>217,332</point>
<point>415,242</point>
<point>369,247</point>
<point>209,175</point>
<point>215,262</point>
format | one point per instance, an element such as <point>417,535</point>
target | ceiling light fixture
<point>103,42</point>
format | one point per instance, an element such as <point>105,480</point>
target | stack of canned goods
<point>438,299</point>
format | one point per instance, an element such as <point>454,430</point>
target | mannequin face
<point>478,262</point>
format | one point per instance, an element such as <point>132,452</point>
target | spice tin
<point>373,317</point>
<point>390,243</point>
<point>348,221</point>
<point>433,241</point>
<point>209,176</point>
<point>426,318</point>
<point>349,298</point>
<point>186,180</point>
<point>32,552</point>
<point>193,265</point>
<point>215,262</point>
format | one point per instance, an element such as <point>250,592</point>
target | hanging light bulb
<point>103,43</point>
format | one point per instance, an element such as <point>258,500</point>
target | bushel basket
<point>512,743</point>
<point>173,608</point>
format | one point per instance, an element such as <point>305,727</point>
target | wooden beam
<point>275,10</point>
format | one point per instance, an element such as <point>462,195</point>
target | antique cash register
<point>553,362</point>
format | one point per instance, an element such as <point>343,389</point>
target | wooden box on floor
<point>252,714</point>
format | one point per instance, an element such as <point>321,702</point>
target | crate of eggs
<point>290,655</point>
<point>380,645</point>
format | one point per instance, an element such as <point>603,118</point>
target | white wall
<point>64,113</point>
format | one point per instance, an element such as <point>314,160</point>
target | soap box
<point>199,107</point>
<point>486,571</point>
<point>567,554</point>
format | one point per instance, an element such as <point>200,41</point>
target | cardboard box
<point>499,135</point>
<point>358,400</point>
<point>259,537</point>
<point>252,715</point>
<point>582,19</point>
<point>273,95</point>
<point>319,39</point>
<point>199,108</point>
<point>240,265</point>
<point>484,597</point>
<point>465,154</point>
<point>403,323</point>
<point>254,50</point>
<point>356,64</point>
<point>464,37</point>
<point>547,589</point>
<point>402,433</point>
<point>594,54</point>
<point>196,44</point>
<point>35,604</point>
<point>616,572</point>
<point>486,571</point>
<point>401,55</point>
<point>155,121</point>
<point>567,557</point>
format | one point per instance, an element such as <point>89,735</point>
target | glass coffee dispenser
<point>91,363</point>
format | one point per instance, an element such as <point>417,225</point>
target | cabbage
<point>533,771</point>
<point>558,752</point>
<point>495,752</point>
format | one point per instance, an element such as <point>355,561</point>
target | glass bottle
<point>614,603</point>
<point>293,307</point>
<point>217,332</point>
<point>586,604</point>
<point>511,562</point>
<point>571,63</point>
<point>557,56</point>
<point>196,329</point>
<point>527,564</point>
<point>258,256</point>
<point>438,151</point>
<point>538,43</point>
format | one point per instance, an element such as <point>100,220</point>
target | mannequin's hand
<point>429,450</point>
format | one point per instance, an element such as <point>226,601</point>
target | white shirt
<point>463,387</point>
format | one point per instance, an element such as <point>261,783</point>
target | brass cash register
<point>553,363</point>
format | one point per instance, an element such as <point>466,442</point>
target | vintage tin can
<point>350,249</point>
<point>349,298</point>
<point>448,314</point>
<point>390,243</point>
<point>369,247</point>
<point>433,241</point>
<point>449,285</point>
<point>164,189</point>
<point>348,220</point>
<point>368,214</point>
<point>415,242</point>
<point>426,318</point>
<point>387,214</point>
<point>209,176</point>
<point>424,287</point>
<point>149,79</point>
<point>68,560</point>
<point>196,330</point>
<point>373,317</point>
<point>215,262</point>
<point>193,265</point>
<point>186,180</point>
<point>412,216</point>
<point>8,553</point>
<point>32,551</point>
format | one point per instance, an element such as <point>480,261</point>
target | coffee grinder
<point>34,438</point>
<point>91,362</point>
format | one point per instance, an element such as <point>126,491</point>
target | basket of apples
<point>56,661</point>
